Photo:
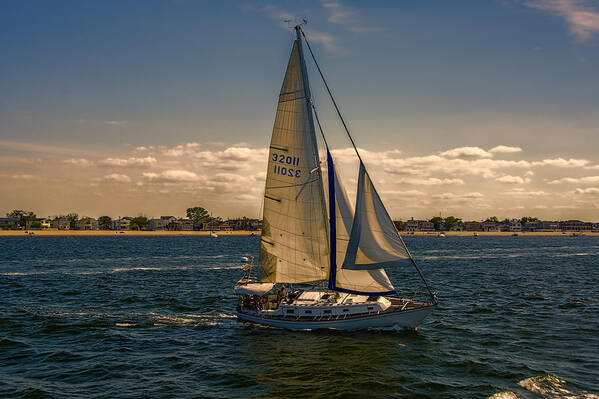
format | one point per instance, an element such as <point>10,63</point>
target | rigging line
<point>331,96</point>
<point>319,126</point>
<point>352,140</point>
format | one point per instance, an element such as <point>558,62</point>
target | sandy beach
<point>13,233</point>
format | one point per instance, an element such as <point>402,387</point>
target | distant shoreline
<point>121,233</point>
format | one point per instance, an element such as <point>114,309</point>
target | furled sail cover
<point>371,282</point>
<point>374,242</point>
<point>294,243</point>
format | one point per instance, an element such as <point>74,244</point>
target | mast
<point>331,228</point>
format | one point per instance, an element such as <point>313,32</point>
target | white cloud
<point>576,180</point>
<point>448,196</point>
<point>512,179</point>
<point>347,16</point>
<point>131,162</point>
<point>117,178</point>
<point>563,163</point>
<point>588,191</point>
<point>431,181</point>
<point>78,162</point>
<point>171,176</point>
<point>521,192</point>
<point>505,149</point>
<point>581,17</point>
<point>466,152</point>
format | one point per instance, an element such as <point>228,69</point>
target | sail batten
<point>295,240</point>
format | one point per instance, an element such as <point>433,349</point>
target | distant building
<point>547,226</point>
<point>595,227</point>
<point>60,224</point>
<point>185,224</point>
<point>515,226</point>
<point>38,223</point>
<point>531,226</point>
<point>490,226</point>
<point>9,223</point>
<point>574,225</point>
<point>87,223</point>
<point>419,225</point>
<point>245,224</point>
<point>123,223</point>
<point>473,226</point>
<point>164,223</point>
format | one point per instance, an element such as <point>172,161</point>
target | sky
<point>466,108</point>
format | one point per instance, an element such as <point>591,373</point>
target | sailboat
<point>322,264</point>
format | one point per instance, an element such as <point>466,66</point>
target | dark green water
<point>133,317</point>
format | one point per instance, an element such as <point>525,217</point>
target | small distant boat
<point>340,255</point>
<point>475,234</point>
<point>441,235</point>
<point>515,235</point>
<point>213,234</point>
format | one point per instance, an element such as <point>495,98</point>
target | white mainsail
<point>374,242</point>
<point>373,281</point>
<point>294,244</point>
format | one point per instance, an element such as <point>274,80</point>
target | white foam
<point>504,395</point>
<point>550,386</point>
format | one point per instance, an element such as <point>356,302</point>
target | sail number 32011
<point>282,159</point>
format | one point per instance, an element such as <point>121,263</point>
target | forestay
<point>374,242</point>
<point>294,243</point>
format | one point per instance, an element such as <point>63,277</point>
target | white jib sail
<point>374,242</point>
<point>294,244</point>
<point>370,281</point>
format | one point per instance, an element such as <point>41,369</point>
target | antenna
<point>293,22</point>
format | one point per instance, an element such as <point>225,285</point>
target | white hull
<point>400,319</point>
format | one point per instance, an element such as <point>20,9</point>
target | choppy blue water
<point>111,317</point>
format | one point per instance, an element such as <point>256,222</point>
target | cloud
<point>576,180</point>
<point>505,149</point>
<point>563,163</point>
<point>171,176</point>
<point>328,41</point>
<point>582,19</point>
<point>512,179</point>
<point>130,162</point>
<point>449,196</point>
<point>78,162</point>
<point>466,152</point>
<point>431,181</point>
<point>115,123</point>
<point>17,176</point>
<point>116,177</point>
<point>182,149</point>
<point>347,16</point>
<point>520,192</point>
<point>588,191</point>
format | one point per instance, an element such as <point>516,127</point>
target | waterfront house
<point>574,225</point>
<point>490,226</point>
<point>87,223</point>
<point>9,223</point>
<point>547,226</point>
<point>473,226</point>
<point>60,224</point>
<point>123,223</point>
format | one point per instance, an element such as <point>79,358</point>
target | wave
<point>550,386</point>
<point>547,386</point>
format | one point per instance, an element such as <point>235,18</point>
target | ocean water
<point>133,317</point>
